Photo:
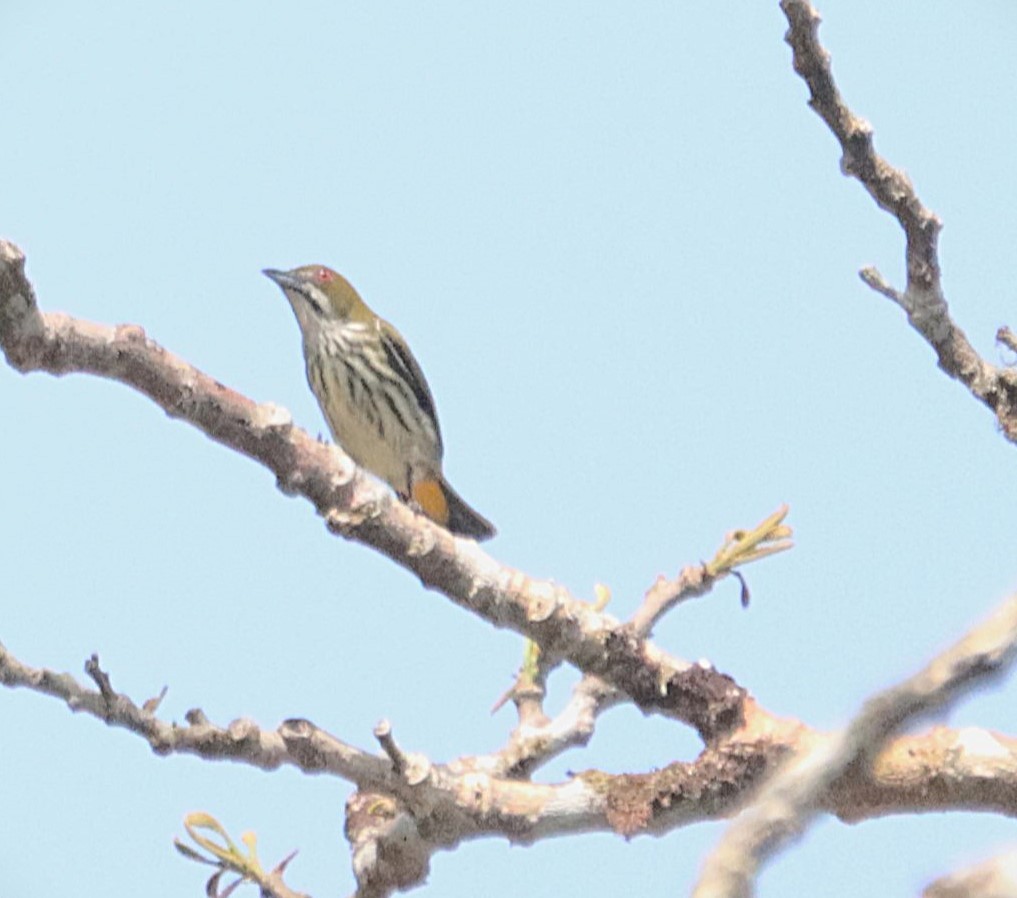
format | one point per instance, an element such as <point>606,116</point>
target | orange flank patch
<point>430,496</point>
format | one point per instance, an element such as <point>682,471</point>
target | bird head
<point>318,294</point>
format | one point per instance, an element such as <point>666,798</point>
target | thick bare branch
<point>942,769</point>
<point>923,299</point>
<point>468,798</point>
<point>994,878</point>
<point>408,807</point>
<point>438,805</point>
<point>794,796</point>
<point>358,507</point>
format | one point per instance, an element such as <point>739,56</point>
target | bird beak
<point>283,278</point>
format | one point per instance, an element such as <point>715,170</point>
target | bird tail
<point>444,505</point>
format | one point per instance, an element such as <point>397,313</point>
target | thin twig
<point>383,733</point>
<point>1006,337</point>
<point>740,547</point>
<point>229,858</point>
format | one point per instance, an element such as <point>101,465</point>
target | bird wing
<point>403,363</point>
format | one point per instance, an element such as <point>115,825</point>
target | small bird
<point>373,394</point>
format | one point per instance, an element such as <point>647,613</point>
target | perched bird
<point>373,394</point>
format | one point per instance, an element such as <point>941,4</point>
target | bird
<point>373,394</point>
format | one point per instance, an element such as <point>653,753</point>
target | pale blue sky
<point>620,247</point>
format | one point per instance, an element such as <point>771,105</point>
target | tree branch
<point>923,299</point>
<point>294,743</point>
<point>533,744</point>
<point>994,878</point>
<point>452,802</point>
<point>794,796</point>
<point>468,799</point>
<point>358,507</point>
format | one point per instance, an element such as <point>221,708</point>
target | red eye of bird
<point>324,275</point>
